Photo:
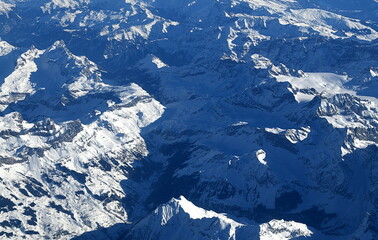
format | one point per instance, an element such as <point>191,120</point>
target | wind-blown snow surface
<point>270,117</point>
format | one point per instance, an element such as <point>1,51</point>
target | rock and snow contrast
<point>67,140</point>
<point>262,113</point>
<point>181,219</point>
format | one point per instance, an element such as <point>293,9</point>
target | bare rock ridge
<point>207,119</point>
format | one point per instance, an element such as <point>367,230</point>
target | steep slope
<point>179,219</point>
<point>270,112</point>
<point>296,161</point>
<point>67,140</point>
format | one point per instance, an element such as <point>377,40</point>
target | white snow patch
<point>322,82</point>
<point>239,124</point>
<point>374,72</point>
<point>328,84</point>
<point>260,154</point>
<point>199,213</point>
<point>261,62</point>
<point>328,23</point>
<point>17,84</point>
<point>283,230</point>
<point>5,48</point>
<point>159,63</point>
<point>5,8</point>
<point>275,130</point>
<point>297,135</point>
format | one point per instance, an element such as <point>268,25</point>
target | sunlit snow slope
<point>262,113</point>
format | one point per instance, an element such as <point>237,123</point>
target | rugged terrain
<point>208,119</point>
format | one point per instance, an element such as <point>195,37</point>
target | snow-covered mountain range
<point>207,119</point>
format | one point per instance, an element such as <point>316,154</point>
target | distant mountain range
<point>207,119</point>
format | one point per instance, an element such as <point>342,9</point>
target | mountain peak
<point>59,44</point>
<point>208,225</point>
<point>5,48</point>
<point>270,124</point>
<point>5,8</point>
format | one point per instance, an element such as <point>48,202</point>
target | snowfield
<point>262,113</point>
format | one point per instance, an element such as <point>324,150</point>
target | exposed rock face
<point>180,218</point>
<point>67,140</point>
<point>265,111</point>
